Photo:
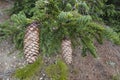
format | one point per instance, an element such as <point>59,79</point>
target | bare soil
<point>9,57</point>
<point>102,68</point>
<point>4,7</point>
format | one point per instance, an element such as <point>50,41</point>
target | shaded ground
<point>9,56</point>
<point>4,6</point>
<point>10,59</point>
<point>83,68</point>
<point>103,68</point>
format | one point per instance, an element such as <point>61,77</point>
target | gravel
<point>9,59</point>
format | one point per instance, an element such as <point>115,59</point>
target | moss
<point>29,70</point>
<point>116,77</point>
<point>58,71</point>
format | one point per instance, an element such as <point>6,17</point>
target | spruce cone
<point>67,50</point>
<point>31,43</point>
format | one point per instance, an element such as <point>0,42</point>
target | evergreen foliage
<point>24,6</point>
<point>113,19</point>
<point>82,21</point>
<point>27,72</point>
<point>58,71</point>
<point>75,19</point>
<point>116,77</point>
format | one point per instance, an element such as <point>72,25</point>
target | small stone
<point>41,78</point>
<point>14,57</point>
<point>43,74</point>
<point>7,79</point>
<point>5,63</point>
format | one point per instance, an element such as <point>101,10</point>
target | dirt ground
<point>4,7</point>
<point>106,67</point>
<point>102,68</point>
<point>9,56</point>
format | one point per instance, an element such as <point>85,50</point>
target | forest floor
<point>9,56</point>
<point>106,67</point>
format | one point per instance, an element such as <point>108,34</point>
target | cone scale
<point>31,43</point>
<point>67,50</point>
